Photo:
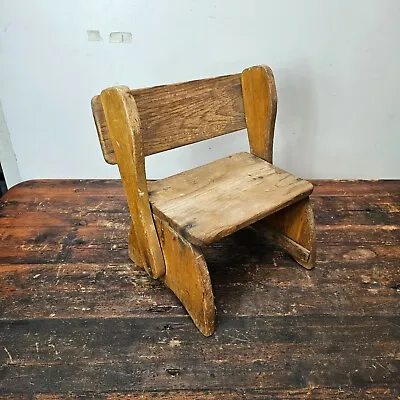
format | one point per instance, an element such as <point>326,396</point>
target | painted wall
<point>336,63</point>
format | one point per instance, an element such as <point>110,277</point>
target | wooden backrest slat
<point>183,113</point>
<point>179,114</point>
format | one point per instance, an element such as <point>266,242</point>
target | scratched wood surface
<point>181,113</point>
<point>77,319</point>
<point>210,202</point>
<point>260,105</point>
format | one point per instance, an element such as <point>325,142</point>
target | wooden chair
<point>173,218</point>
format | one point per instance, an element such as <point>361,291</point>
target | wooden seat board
<point>209,202</point>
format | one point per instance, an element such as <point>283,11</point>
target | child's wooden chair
<point>173,218</point>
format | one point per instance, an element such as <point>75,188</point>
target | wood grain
<point>183,113</point>
<point>158,354</point>
<point>80,321</point>
<point>260,104</point>
<point>124,129</point>
<point>134,248</point>
<point>187,276</point>
<point>257,394</point>
<point>293,228</point>
<point>102,131</point>
<point>209,202</point>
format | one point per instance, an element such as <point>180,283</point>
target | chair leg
<point>293,229</point>
<point>187,276</point>
<point>133,248</point>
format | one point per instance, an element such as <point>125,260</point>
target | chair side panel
<point>260,105</point>
<point>124,131</point>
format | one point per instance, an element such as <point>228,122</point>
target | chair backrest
<point>179,114</point>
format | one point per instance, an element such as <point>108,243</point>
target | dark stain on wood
<point>78,320</point>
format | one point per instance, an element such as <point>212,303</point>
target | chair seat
<point>209,202</point>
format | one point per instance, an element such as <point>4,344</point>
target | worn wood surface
<point>179,114</point>
<point>123,123</point>
<point>260,105</point>
<point>102,131</point>
<point>188,277</point>
<point>78,319</point>
<point>293,228</point>
<point>207,203</point>
<point>182,113</point>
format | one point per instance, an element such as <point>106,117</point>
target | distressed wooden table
<point>77,318</point>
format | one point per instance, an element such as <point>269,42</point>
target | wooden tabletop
<point>77,318</point>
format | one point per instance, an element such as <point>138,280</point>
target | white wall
<point>336,62</point>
